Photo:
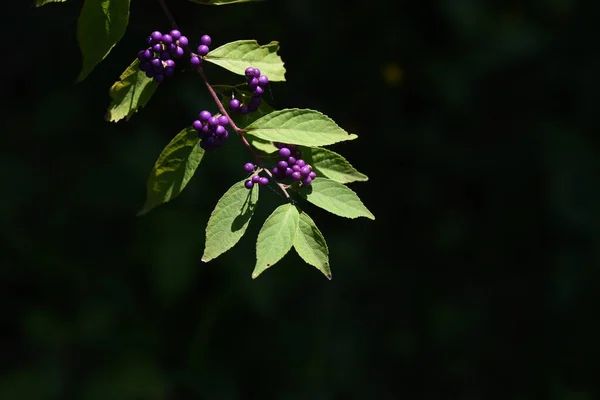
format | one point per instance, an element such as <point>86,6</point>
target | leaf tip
<point>204,260</point>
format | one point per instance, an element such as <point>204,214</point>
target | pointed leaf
<point>332,165</point>
<point>174,168</point>
<point>262,145</point>
<point>311,246</point>
<point>335,198</point>
<point>276,237</point>
<point>296,126</point>
<point>102,23</point>
<point>239,55</point>
<point>229,220</point>
<point>220,2</point>
<point>130,93</point>
<point>39,3</point>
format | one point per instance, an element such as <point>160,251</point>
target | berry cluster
<point>201,51</point>
<point>157,60</point>
<point>257,84</point>
<point>211,130</point>
<point>291,165</point>
<point>262,180</point>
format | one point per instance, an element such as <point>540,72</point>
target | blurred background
<point>479,279</point>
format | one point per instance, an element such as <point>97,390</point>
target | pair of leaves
<point>284,228</point>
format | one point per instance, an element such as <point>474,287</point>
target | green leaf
<point>239,55</point>
<point>334,197</point>
<point>332,165</point>
<point>220,2</point>
<point>102,23</point>
<point>296,126</point>
<point>276,237</point>
<point>130,93</point>
<point>263,145</point>
<point>229,220</point>
<point>39,3</point>
<point>174,168</point>
<point>311,246</point>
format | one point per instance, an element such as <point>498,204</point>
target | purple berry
<point>205,40</point>
<point>279,145</point>
<point>169,71</point>
<point>195,61</point>
<point>141,55</point>
<point>264,180</point>
<point>169,64</point>
<point>291,160</point>
<point>256,72</point>
<point>197,125</point>
<point>296,175</point>
<point>156,36</point>
<point>244,109</point>
<point>288,171</point>
<point>258,90</point>
<point>178,53</point>
<point>167,39</point>
<point>275,171</point>
<point>255,179</point>
<point>301,163</point>
<point>144,66</point>
<point>156,63</point>
<point>157,48</point>
<point>159,78</point>
<point>205,116</point>
<point>225,135</point>
<point>175,34</point>
<point>252,83</point>
<point>223,120</point>
<point>312,175</point>
<point>263,81</point>
<point>249,72</point>
<point>183,41</point>
<point>220,130</point>
<point>165,55</point>
<point>306,180</point>
<point>234,105</point>
<point>282,165</point>
<point>248,184</point>
<point>213,121</point>
<point>305,170</point>
<point>206,130</point>
<point>296,167</point>
<point>248,167</point>
<point>284,152</point>
<point>202,50</point>
<point>149,73</point>
<point>254,102</point>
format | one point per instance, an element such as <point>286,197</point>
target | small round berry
<point>275,171</point>
<point>223,120</point>
<point>258,90</point>
<point>167,39</point>
<point>305,170</point>
<point>206,130</point>
<point>234,105</point>
<point>282,165</point>
<point>301,163</point>
<point>263,81</point>
<point>225,135</point>
<point>252,83</point>
<point>279,145</point>
<point>312,175</point>
<point>249,72</point>
<point>159,78</point>
<point>255,179</point>
<point>157,65</point>
<point>175,34</point>
<point>178,53</point>
<point>150,73</point>
<point>254,102</point>
<point>169,64</point>
<point>256,72</point>
<point>244,109</point>
<point>248,184</point>
<point>156,36</point>
<point>157,48</point>
<point>213,121</point>
<point>284,152</point>
<point>306,180</point>
<point>220,130</point>
<point>183,41</point>
<point>264,180</point>
<point>205,40</point>
<point>195,61</point>
<point>291,160</point>
<point>296,175</point>
<point>288,171</point>
<point>141,55</point>
<point>296,168</point>
<point>169,71</point>
<point>144,66</point>
<point>248,167</point>
<point>202,50</point>
<point>165,55</point>
<point>205,116</point>
<point>197,125</point>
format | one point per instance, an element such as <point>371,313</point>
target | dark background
<point>479,279</point>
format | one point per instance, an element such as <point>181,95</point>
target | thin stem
<point>240,132</point>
